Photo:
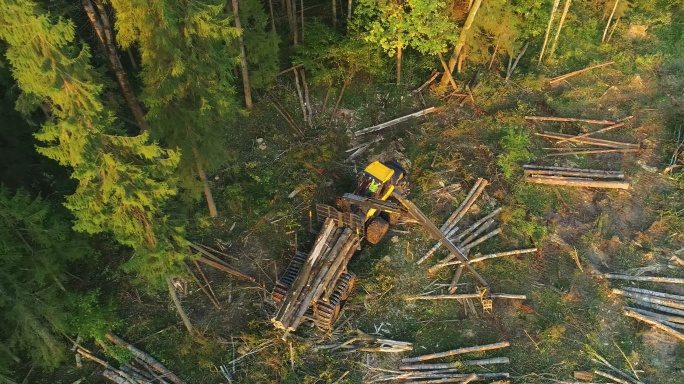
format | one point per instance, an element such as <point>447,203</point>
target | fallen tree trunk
<point>226,268</point>
<point>657,316</point>
<point>588,140</point>
<point>654,279</point>
<point>569,120</point>
<point>394,122</point>
<point>606,129</point>
<point>594,151</point>
<point>456,364</point>
<point>157,366</point>
<point>656,324</point>
<point>578,183</point>
<point>654,293</point>
<point>575,73</point>
<point>459,351</point>
<point>542,170</point>
<point>492,256</point>
<point>467,296</point>
<point>650,299</point>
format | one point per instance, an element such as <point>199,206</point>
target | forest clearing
<point>218,192</point>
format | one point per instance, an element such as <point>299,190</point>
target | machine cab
<point>379,180</point>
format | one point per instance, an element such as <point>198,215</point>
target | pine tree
<point>187,78</point>
<point>123,182</point>
<point>261,44</point>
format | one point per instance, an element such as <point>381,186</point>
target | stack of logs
<point>596,146</point>
<point>325,263</point>
<point>142,369</point>
<point>468,238</point>
<point>662,310</point>
<point>414,370</point>
<point>574,177</point>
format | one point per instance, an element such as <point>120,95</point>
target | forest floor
<point>569,316</point>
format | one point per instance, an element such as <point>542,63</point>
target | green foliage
<point>524,226</point>
<point>122,181</point>
<point>261,46</point>
<point>515,143</point>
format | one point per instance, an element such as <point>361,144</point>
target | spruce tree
<point>123,181</point>
<point>187,79</point>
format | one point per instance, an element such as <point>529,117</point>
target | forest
<point>161,162</point>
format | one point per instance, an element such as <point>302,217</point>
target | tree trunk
<point>243,58</point>
<point>334,14</point>
<point>292,19</point>
<point>270,8</point>
<point>349,14</point>
<point>461,40</point>
<point>205,183</point>
<point>560,26</point>
<point>179,308</point>
<point>301,11</point>
<point>605,31</point>
<point>295,28</point>
<point>399,62</point>
<point>548,29</point>
<point>104,32</point>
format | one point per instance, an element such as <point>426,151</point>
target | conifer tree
<point>187,78</point>
<point>123,181</point>
<point>260,44</point>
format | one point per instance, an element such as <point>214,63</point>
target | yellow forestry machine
<point>316,285</point>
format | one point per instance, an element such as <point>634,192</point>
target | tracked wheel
<point>285,282</point>
<point>328,312</point>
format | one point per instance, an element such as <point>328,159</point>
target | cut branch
<point>394,122</point>
<point>654,279</point>
<point>656,324</point>
<point>467,296</point>
<point>575,73</point>
<point>549,180</point>
<point>454,352</point>
<point>569,120</point>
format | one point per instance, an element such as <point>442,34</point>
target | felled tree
<point>187,79</point>
<point>123,181</point>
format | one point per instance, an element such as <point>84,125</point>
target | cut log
<point>117,378</point>
<point>202,287</point>
<point>588,140</point>
<point>179,307</point>
<point>575,73</point>
<point>157,366</point>
<point>474,235</point>
<point>578,183</point>
<point>493,255</point>
<point>458,214</point>
<point>656,324</point>
<point>594,173</point>
<point>425,84</point>
<point>465,249</point>
<point>226,268</point>
<point>477,224</point>
<point>569,120</point>
<point>611,377</point>
<point>661,308</point>
<point>654,293</point>
<point>456,364</point>
<point>653,279</point>
<point>657,316</point>
<point>396,121</point>
<point>594,151</point>
<point>454,281</point>
<point>650,299</point>
<point>123,376</point>
<point>606,129</point>
<point>459,351</point>
<point>467,296</point>
<point>435,247</point>
<point>677,260</point>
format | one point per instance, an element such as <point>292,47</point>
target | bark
<point>301,98</point>
<point>560,26</point>
<point>301,5</point>
<point>270,8</point>
<point>605,31</point>
<point>567,75</point>
<point>650,299</point>
<point>462,39</point>
<point>100,23</point>
<point>307,102</point>
<point>542,170</point>
<point>446,72</point>
<point>243,58</point>
<point>458,214</point>
<point>658,316</point>
<point>396,121</point>
<point>399,62</point>
<point>548,29</point>
<point>569,119</point>
<point>325,100</point>
<point>456,364</point>
<point>578,183</point>
<point>205,183</point>
<point>589,140</point>
<point>349,14</point>
<point>132,59</point>
<point>339,97</point>
<point>593,151</point>
<point>467,296</point>
<point>179,307</point>
<point>294,23</point>
<point>334,14</point>
<point>517,59</point>
<point>654,279</point>
<point>147,359</point>
<point>606,129</point>
<point>454,352</point>
<point>656,324</point>
<point>453,287</point>
<point>494,255</point>
<point>654,293</point>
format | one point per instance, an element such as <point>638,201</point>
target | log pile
<point>588,145</point>
<point>662,310</point>
<point>316,279</point>
<point>364,342</point>
<point>574,177</point>
<point>142,369</point>
<point>415,370</point>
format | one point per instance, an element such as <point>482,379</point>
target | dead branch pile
<point>574,177</point>
<point>662,310</point>
<point>364,342</point>
<point>414,370</point>
<point>142,369</point>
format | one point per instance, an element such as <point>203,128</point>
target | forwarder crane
<point>316,285</point>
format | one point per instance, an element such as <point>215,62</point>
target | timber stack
<point>315,285</point>
<point>575,177</point>
<point>415,370</point>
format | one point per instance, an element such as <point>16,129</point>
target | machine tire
<point>376,230</point>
